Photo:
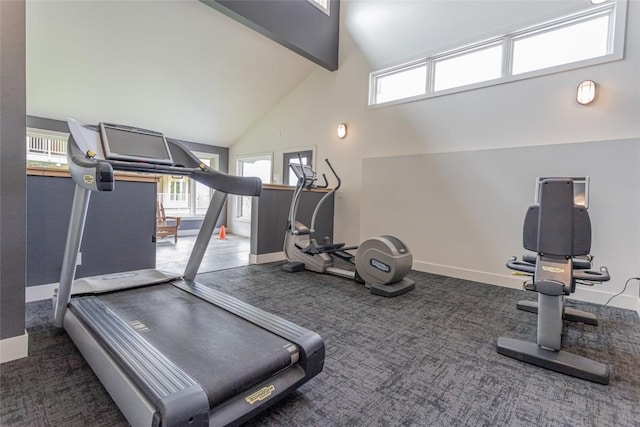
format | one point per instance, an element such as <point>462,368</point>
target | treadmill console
<point>95,152</point>
<point>134,144</point>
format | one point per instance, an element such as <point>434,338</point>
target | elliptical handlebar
<point>577,274</point>
<point>326,196</point>
<point>334,174</point>
<point>308,182</point>
<point>592,276</point>
<point>522,266</point>
<point>326,183</point>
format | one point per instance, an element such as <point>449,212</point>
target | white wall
<point>530,113</point>
<point>461,213</point>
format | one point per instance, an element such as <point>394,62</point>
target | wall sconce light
<point>342,130</point>
<point>586,92</point>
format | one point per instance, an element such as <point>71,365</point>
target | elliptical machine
<point>381,263</point>
<point>559,231</point>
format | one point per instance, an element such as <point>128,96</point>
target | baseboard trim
<point>584,294</point>
<point>598,296</point>
<point>181,233</point>
<point>507,281</point>
<point>266,258</point>
<point>14,348</point>
<point>40,292</point>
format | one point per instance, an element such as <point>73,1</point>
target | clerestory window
<point>587,38</point>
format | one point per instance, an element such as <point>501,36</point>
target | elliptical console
<point>381,263</point>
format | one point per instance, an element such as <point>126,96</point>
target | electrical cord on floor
<point>623,289</point>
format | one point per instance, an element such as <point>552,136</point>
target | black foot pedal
<point>293,267</point>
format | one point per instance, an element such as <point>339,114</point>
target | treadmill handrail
<point>91,171</point>
<point>85,154</point>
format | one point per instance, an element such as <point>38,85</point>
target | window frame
<point>214,163</point>
<point>321,7</point>
<point>186,207</point>
<point>287,155</point>
<point>458,53</point>
<point>427,63</point>
<point>617,10</point>
<point>239,214</point>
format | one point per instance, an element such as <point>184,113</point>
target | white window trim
<point>290,150</point>
<point>617,8</point>
<point>172,207</point>
<point>237,205</point>
<point>373,82</point>
<point>253,156</point>
<point>214,161</point>
<point>326,10</point>
<point>300,149</point>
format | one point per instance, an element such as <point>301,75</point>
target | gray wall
<point>12,167</point>
<point>118,234</point>
<point>270,211</point>
<point>222,152</point>
<point>49,124</point>
<point>297,25</point>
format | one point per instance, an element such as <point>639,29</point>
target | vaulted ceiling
<point>187,70</point>
<point>175,66</point>
<point>392,31</point>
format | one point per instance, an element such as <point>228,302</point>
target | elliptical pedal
<point>293,267</point>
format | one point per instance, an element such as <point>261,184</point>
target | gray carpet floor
<point>426,358</point>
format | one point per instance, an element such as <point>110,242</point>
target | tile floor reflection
<point>221,254</point>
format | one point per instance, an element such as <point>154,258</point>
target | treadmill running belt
<point>224,353</point>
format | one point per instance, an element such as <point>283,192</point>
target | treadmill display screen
<point>135,145</point>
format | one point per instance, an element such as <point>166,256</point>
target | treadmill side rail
<point>132,403</point>
<point>177,397</point>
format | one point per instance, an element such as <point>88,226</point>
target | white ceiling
<point>178,67</point>
<point>390,32</point>
<point>185,69</point>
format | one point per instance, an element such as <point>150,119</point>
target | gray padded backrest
<point>556,226</point>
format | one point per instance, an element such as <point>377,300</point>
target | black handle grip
<point>593,276</point>
<point>514,264</point>
<point>326,183</point>
<point>334,174</point>
<point>230,184</point>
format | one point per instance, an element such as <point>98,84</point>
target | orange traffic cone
<point>223,234</point>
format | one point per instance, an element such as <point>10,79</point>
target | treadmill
<point>171,351</point>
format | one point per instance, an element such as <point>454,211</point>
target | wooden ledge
<point>291,188</point>
<point>64,173</point>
